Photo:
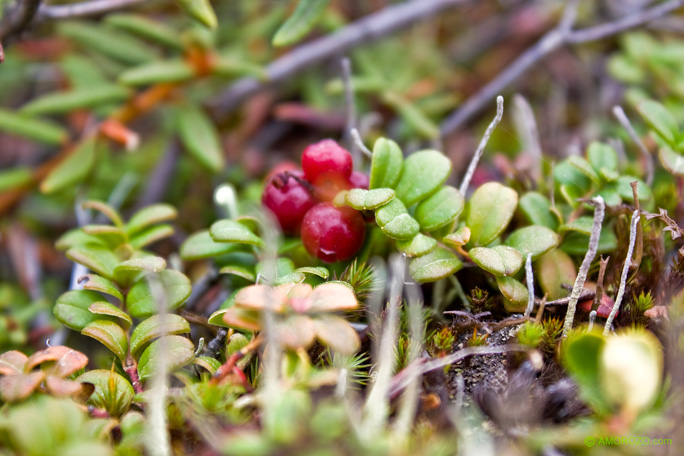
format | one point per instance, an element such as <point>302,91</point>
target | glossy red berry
<point>287,196</point>
<point>333,233</point>
<point>326,158</point>
<point>359,180</point>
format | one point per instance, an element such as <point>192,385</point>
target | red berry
<point>333,233</point>
<point>281,168</point>
<point>288,199</point>
<point>326,158</point>
<point>359,180</point>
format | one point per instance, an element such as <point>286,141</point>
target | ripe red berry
<point>288,198</point>
<point>359,180</point>
<point>326,158</point>
<point>333,233</point>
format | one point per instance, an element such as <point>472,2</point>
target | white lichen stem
<point>625,271</point>
<point>599,213</point>
<point>592,319</point>
<point>483,143</point>
<point>356,136</point>
<point>619,113</point>
<point>529,277</point>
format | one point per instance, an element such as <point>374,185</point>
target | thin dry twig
<point>599,283</point>
<point>620,115</point>
<point>19,19</point>
<point>483,143</point>
<point>549,43</point>
<point>625,271</point>
<point>84,9</point>
<point>367,29</point>
<point>586,263</point>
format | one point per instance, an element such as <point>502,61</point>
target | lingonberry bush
<point>213,243</point>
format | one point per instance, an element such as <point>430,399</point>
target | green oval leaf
<point>96,258</point>
<point>436,265</point>
<point>232,231</point>
<point>200,137</point>
<point>582,225</point>
<point>319,271</point>
<point>515,293</point>
<point>672,161</point>
<point>155,327</point>
<point>418,245</point>
<point>150,235</point>
<point>500,260</point>
<point>364,200</point>
<point>35,129</point>
<point>386,164</point>
<point>581,356</point>
<point>535,240</point>
<point>157,72</point>
<point>72,308</point>
<point>127,271</point>
<point>300,23</point>
<point>554,269</point>
<point>440,209</point>
<point>81,98</point>
<point>98,283</point>
<point>240,271</point>
<point>536,209</point>
<point>490,210</point>
<point>659,119</point>
<point>201,245</point>
<point>141,303</point>
<point>395,221</point>
<point>201,11</point>
<point>150,215</point>
<point>423,173</point>
<point>110,334</point>
<point>602,157</point>
<point>73,169</point>
<point>112,391</point>
<point>105,308</point>
<point>178,351</point>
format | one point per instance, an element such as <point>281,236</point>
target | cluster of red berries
<point>301,201</point>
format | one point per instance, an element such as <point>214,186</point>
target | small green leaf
<point>128,270</point>
<point>500,260</point>
<point>73,169</point>
<point>81,98</point>
<point>106,210</point>
<point>232,231</point>
<point>35,129</point>
<point>423,174</point>
<point>226,66</point>
<point>583,166</point>
<point>319,271</point>
<point>150,215</point>
<point>582,225</point>
<point>395,221</point>
<point>602,157</point>
<point>515,293</point>
<point>535,240</point>
<point>440,209</point>
<point>659,119</point>
<point>110,334</point>
<point>490,210</point>
<point>111,235</point>
<point>96,258</point>
<point>201,11</point>
<point>147,28</point>
<point>105,308</point>
<point>112,391</point>
<point>201,245</point>
<point>364,200</point>
<point>554,269</point>
<point>294,277</point>
<point>245,273</point>
<point>438,264</point>
<point>386,164</point>
<point>301,22</point>
<point>98,283</point>
<point>458,239</point>
<point>200,137</point>
<point>72,309</point>
<point>140,301</point>
<point>418,245</point>
<point>157,72</point>
<point>108,41</point>
<point>216,318</point>
<point>537,210</point>
<point>581,356</point>
<point>577,243</point>
<point>210,364</point>
<point>150,235</point>
<point>671,161</point>
<point>17,177</point>
<point>178,351</point>
<point>155,327</point>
